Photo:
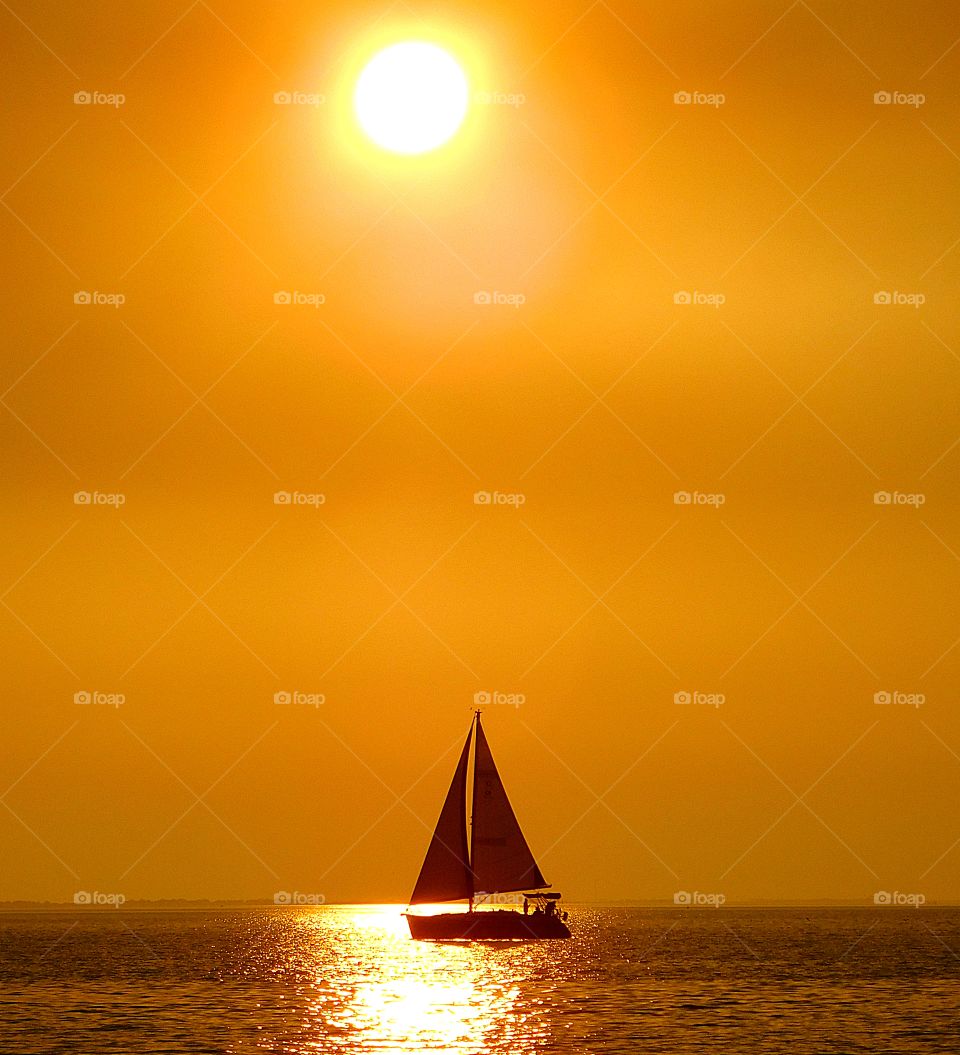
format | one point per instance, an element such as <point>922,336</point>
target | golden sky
<point>678,250</point>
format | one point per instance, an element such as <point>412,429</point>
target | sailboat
<point>492,858</point>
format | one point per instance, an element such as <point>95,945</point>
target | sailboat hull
<point>499,925</point>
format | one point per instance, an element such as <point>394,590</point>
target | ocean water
<point>344,979</point>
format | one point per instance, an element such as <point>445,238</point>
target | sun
<point>411,97</point>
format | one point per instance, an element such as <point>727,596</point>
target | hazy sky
<point>587,202</point>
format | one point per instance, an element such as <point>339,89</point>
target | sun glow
<point>411,97</point>
<point>376,989</point>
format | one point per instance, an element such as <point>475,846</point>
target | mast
<point>474,725</point>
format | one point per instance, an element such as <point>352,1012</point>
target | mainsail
<point>445,875</point>
<point>499,854</point>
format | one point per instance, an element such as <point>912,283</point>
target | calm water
<point>342,979</point>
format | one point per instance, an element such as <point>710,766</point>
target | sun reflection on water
<point>376,989</point>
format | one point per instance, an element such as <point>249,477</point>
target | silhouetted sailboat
<point>495,859</point>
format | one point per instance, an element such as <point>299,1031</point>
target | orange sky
<point>783,199</point>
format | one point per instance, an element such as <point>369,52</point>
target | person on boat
<point>526,906</point>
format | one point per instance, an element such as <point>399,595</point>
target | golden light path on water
<point>376,989</point>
